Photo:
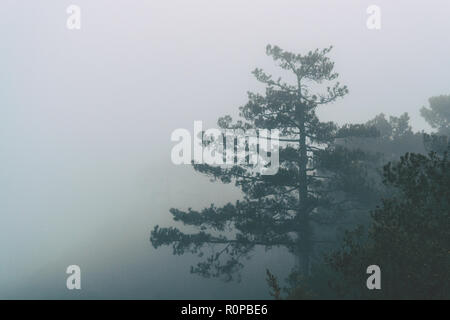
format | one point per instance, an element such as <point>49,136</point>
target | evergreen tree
<point>282,209</point>
<point>409,237</point>
<point>395,138</point>
<point>438,114</point>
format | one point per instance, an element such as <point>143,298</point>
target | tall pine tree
<point>308,189</point>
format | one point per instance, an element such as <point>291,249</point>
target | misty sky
<point>86,117</point>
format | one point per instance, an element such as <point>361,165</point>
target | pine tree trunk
<point>303,217</point>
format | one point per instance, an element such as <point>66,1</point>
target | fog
<point>86,117</point>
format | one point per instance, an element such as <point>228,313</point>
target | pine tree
<point>438,114</point>
<point>409,237</point>
<point>277,210</point>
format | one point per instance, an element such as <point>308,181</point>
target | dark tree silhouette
<point>409,237</point>
<point>395,138</point>
<point>309,189</point>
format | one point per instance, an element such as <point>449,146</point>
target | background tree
<point>409,237</point>
<point>395,138</point>
<point>283,209</point>
<point>438,114</point>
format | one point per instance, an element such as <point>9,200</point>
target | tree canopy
<point>409,237</point>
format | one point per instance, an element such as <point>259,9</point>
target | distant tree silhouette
<point>395,138</point>
<point>313,186</point>
<point>438,114</point>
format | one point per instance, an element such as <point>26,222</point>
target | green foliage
<point>409,237</point>
<point>436,143</point>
